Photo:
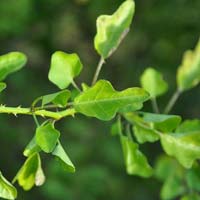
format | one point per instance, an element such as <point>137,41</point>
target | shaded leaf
<point>2,86</point>
<point>64,68</point>
<point>30,173</point>
<point>7,190</point>
<point>153,82</point>
<point>102,101</point>
<point>135,160</point>
<point>58,98</point>
<point>60,153</point>
<point>10,63</point>
<point>112,28</point>
<point>188,74</point>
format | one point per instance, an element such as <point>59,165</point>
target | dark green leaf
<point>60,153</point>
<point>112,28</point>
<point>2,86</point>
<point>7,190</point>
<point>64,68</point>
<point>47,137</point>
<point>102,101</point>
<point>30,173</point>
<point>153,82</point>
<point>10,63</point>
<point>135,160</point>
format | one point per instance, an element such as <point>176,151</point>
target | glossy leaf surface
<point>112,28</point>
<point>10,63</point>
<point>64,68</point>
<point>153,82</point>
<point>102,101</point>
<point>7,190</point>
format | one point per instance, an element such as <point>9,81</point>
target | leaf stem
<point>155,105</point>
<point>36,120</point>
<point>119,125</point>
<point>172,101</point>
<point>43,113</point>
<point>75,85</point>
<point>98,69</point>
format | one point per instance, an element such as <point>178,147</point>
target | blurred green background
<point>161,31</point>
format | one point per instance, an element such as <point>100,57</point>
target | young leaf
<point>31,148</point>
<point>58,98</point>
<point>153,82</point>
<point>131,107</point>
<point>60,153</point>
<point>2,86</point>
<point>102,101</point>
<point>185,147</point>
<point>10,63</point>
<point>47,137</point>
<point>30,173</point>
<point>112,28</point>
<point>64,68</point>
<point>135,160</point>
<point>7,190</point>
<point>188,74</point>
<point>189,126</point>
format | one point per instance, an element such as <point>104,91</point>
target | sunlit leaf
<point>7,190</point>
<point>153,82</point>
<point>64,68</point>
<point>112,28</point>
<point>60,153</point>
<point>131,107</point>
<point>102,101</point>
<point>135,160</point>
<point>2,86</point>
<point>30,173</point>
<point>84,87</point>
<point>58,98</point>
<point>47,137</point>
<point>189,126</point>
<point>10,63</point>
<point>188,74</point>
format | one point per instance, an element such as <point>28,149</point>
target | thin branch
<point>155,105</point>
<point>75,85</point>
<point>98,69</point>
<point>172,101</point>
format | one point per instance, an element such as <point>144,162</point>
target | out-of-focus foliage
<point>161,32</point>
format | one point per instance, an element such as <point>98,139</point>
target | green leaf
<point>2,86</point>
<point>191,197</point>
<point>131,107</point>
<point>31,148</point>
<point>30,173</point>
<point>135,160</point>
<point>112,28</point>
<point>64,68</point>
<point>165,123</point>
<point>60,153</point>
<point>58,98</point>
<point>153,82</point>
<point>84,87</point>
<point>7,190</point>
<point>102,101</point>
<point>189,126</point>
<point>10,63</point>
<point>172,187</point>
<point>47,137</point>
<point>188,74</point>
<point>185,147</point>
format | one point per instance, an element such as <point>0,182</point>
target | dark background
<point>161,31</point>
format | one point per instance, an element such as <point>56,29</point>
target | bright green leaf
<point>131,107</point>
<point>153,82</point>
<point>58,98</point>
<point>188,74</point>
<point>135,160</point>
<point>84,87</point>
<point>64,67</point>
<point>2,86</point>
<point>47,137</point>
<point>30,173</point>
<point>7,190</point>
<point>189,126</point>
<point>112,28</point>
<point>191,197</point>
<point>60,153</point>
<point>102,101</point>
<point>31,148</point>
<point>185,147</point>
<point>10,63</point>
